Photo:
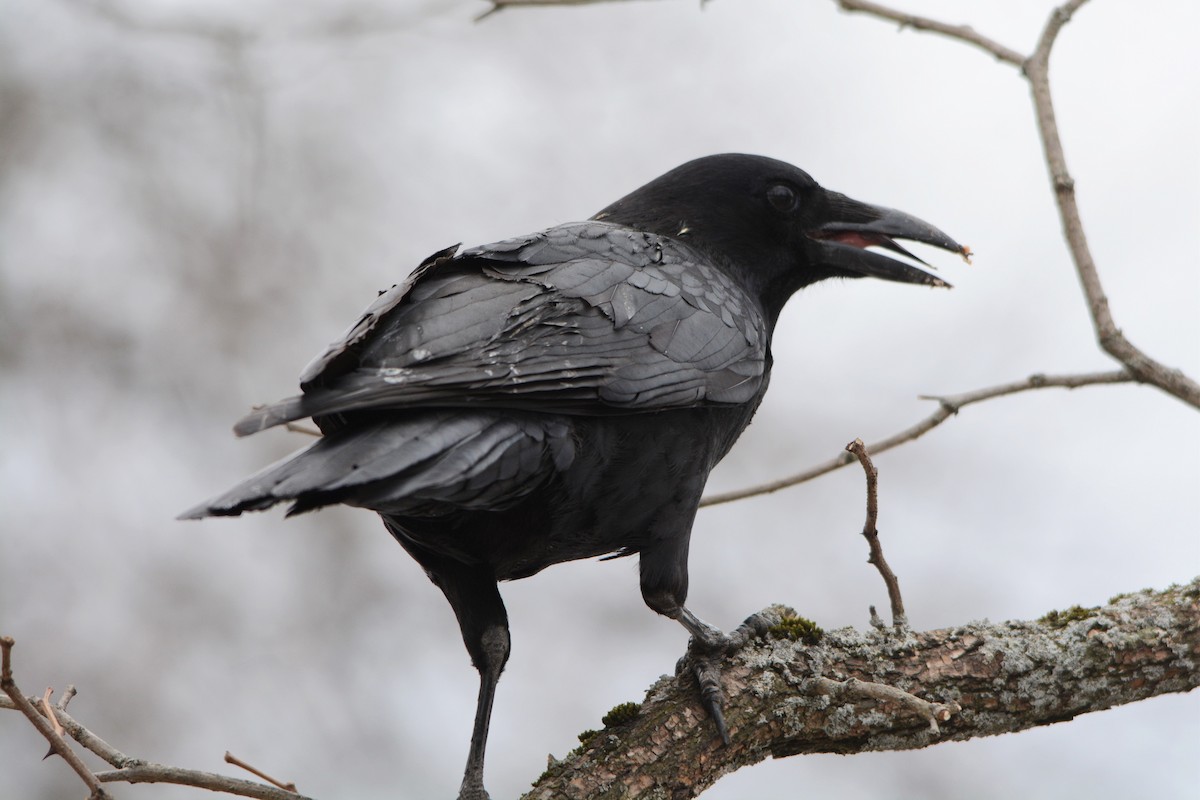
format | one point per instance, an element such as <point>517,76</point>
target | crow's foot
<point>706,649</point>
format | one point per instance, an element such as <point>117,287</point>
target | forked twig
<point>1036,69</point>
<point>128,770</point>
<point>57,743</point>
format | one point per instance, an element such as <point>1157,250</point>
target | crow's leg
<point>473,594</point>
<point>664,588</point>
<point>705,651</point>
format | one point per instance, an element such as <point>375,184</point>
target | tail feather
<point>423,462</point>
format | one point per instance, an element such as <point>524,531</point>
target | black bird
<point>564,395</point>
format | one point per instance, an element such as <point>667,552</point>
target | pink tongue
<point>857,239</point>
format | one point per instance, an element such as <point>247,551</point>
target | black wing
<point>586,318</point>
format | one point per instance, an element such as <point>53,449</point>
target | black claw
<point>718,717</point>
<point>706,668</point>
<point>704,659</point>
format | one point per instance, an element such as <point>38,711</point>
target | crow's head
<point>775,226</point>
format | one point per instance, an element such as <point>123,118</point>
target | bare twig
<point>500,5</point>
<point>89,740</point>
<point>855,688</point>
<point>67,694</point>
<point>161,773</point>
<point>949,405</point>
<point>1036,68</point>
<point>962,32</point>
<point>1110,337</point>
<point>128,770</point>
<point>48,713</point>
<point>57,743</point>
<point>859,451</point>
<point>94,743</point>
<point>230,758</point>
<point>871,534</point>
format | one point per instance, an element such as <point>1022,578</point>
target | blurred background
<point>196,196</point>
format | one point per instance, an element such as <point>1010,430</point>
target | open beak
<point>841,243</point>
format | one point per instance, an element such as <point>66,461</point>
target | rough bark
<point>786,698</point>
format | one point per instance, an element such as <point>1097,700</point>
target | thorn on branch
<point>52,733</point>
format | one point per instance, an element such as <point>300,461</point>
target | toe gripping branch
<point>704,656</point>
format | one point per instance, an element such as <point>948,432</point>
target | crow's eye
<point>781,197</point>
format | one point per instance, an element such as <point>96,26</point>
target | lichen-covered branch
<point>786,698</point>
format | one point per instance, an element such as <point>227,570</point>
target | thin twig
<point>128,770</point>
<point>1036,69</point>
<point>500,5</point>
<point>871,534</point>
<point>48,713</point>
<point>89,740</point>
<point>57,743</point>
<point>94,743</point>
<point>948,406</point>
<point>962,32</point>
<point>67,694</point>
<point>230,758</point>
<point>853,687</point>
<point>161,773</point>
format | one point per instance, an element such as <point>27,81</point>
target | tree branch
<point>1036,69</point>
<point>500,5</point>
<point>850,694</point>
<point>58,744</point>
<point>128,770</point>
<point>948,406</point>
<point>964,33</point>
<point>871,534</point>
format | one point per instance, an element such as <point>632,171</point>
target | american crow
<point>565,394</point>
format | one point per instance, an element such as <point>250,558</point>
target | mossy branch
<point>785,697</point>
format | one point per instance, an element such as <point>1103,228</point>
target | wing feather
<point>587,318</point>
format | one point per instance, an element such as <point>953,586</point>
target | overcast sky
<point>195,197</point>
